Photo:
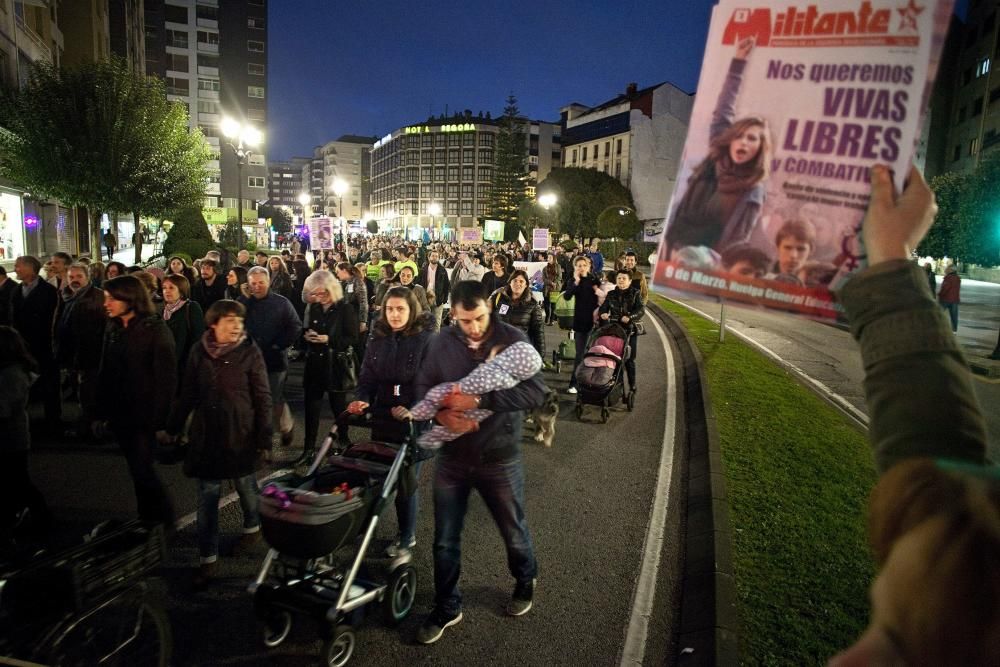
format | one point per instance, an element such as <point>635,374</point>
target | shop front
<point>12,224</point>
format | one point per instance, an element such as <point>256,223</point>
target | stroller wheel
<point>400,594</point>
<point>605,414</point>
<point>276,628</point>
<point>555,358</point>
<point>337,651</point>
<point>630,401</point>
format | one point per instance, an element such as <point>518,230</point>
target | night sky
<point>368,67</point>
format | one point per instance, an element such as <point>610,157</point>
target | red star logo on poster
<point>908,16</point>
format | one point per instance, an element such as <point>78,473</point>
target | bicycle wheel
<point>122,632</point>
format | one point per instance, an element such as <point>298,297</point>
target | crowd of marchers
<point>188,363</point>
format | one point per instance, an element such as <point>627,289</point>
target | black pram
<point>600,375</point>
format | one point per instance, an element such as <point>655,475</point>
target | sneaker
<point>434,626</point>
<point>395,549</point>
<point>571,390</point>
<point>520,601</point>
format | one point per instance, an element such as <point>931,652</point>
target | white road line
<point>634,651</point>
<point>188,519</point>
<point>857,415</point>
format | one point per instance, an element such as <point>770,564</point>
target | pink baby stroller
<point>600,375</point>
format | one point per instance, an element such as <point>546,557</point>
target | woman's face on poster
<point>746,145</point>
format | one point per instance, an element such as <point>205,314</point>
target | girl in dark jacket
<point>331,327</point>
<point>623,305</point>
<point>184,318</point>
<point>226,393</point>
<point>583,287</point>
<point>136,382</point>
<point>281,279</point>
<point>236,283</point>
<point>392,360</point>
<point>514,305</point>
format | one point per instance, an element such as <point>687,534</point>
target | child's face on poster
<point>792,254</point>
<point>745,147</point>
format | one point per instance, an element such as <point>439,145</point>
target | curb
<point>985,367</point>
<point>709,624</point>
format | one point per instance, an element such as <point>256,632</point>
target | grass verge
<point>798,477</point>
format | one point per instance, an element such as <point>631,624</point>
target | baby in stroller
<point>505,369</point>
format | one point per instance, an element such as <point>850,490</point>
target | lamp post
<point>305,199</point>
<point>547,201</point>
<point>434,209</point>
<point>339,188</point>
<point>246,137</point>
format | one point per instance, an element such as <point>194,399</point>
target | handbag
<point>345,366</point>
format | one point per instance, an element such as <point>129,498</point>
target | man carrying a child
<point>486,458</point>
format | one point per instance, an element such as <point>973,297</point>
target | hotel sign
<point>425,129</point>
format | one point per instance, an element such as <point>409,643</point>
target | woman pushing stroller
<point>623,305</point>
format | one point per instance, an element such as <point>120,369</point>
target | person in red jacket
<point>948,294</point>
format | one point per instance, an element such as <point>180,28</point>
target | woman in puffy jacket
<point>623,305</point>
<point>514,305</point>
<point>392,360</point>
<point>225,387</point>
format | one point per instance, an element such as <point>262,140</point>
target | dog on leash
<point>545,418</point>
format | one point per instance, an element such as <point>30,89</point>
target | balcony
<point>205,47</point>
<point>213,189</point>
<point>208,71</point>
<point>212,118</point>
<point>31,43</point>
<point>208,94</point>
<point>212,165</point>
<point>208,23</point>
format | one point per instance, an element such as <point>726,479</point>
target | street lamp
<point>305,199</point>
<point>434,209</point>
<point>247,137</point>
<point>548,200</point>
<point>340,187</point>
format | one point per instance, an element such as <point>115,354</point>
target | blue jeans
<point>209,492</point>
<point>952,309</point>
<point>501,486</point>
<point>406,510</point>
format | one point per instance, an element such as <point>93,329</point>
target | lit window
<point>255,69</point>
<point>983,67</point>
<point>253,22</point>
<point>255,46</point>
<point>255,91</point>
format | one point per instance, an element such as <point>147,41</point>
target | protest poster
<point>536,281</point>
<point>539,238</point>
<point>470,236</point>
<point>493,230</point>
<point>321,233</point>
<point>796,102</point>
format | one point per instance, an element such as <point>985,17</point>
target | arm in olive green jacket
<point>918,387</point>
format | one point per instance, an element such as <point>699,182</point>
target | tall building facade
<point>448,162</point>
<point>284,183</point>
<point>636,137</point>
<point>346,159</point>
<point>87,31</point>
<point>212,54</point>
<point>964,116</point>
<point>127,33</point>
<point>30,33</point>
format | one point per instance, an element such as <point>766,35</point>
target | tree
<point>189,234</point>
<point>967,225</point>
<point>281,220</point>
<point>583,196</point>
<point>510,169</point>
<point>103,137</point>
<point>232,235</point>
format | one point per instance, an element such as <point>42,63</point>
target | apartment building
<point>448,162</point>
<point>637,137</point>
<point>344,160</point>
<point>284,183</point>
<point>212,55</point>
<point>964,116</point>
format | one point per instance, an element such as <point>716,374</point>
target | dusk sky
<point>369,67</point>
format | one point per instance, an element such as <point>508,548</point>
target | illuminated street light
<point>305,199</point>
<point>340,187</point>
<point>246,137</point>
<point>548,200</point>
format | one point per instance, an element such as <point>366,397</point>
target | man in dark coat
<point>434,279</point>
<point>33,307</point>
<point>272,323</point>
<point>487,459</point>
<point>211,287</point>
<point>79,336</point>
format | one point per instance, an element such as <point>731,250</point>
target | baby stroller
<point>600,375</point>
<point>564,316</point>
<point>320,527</point>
